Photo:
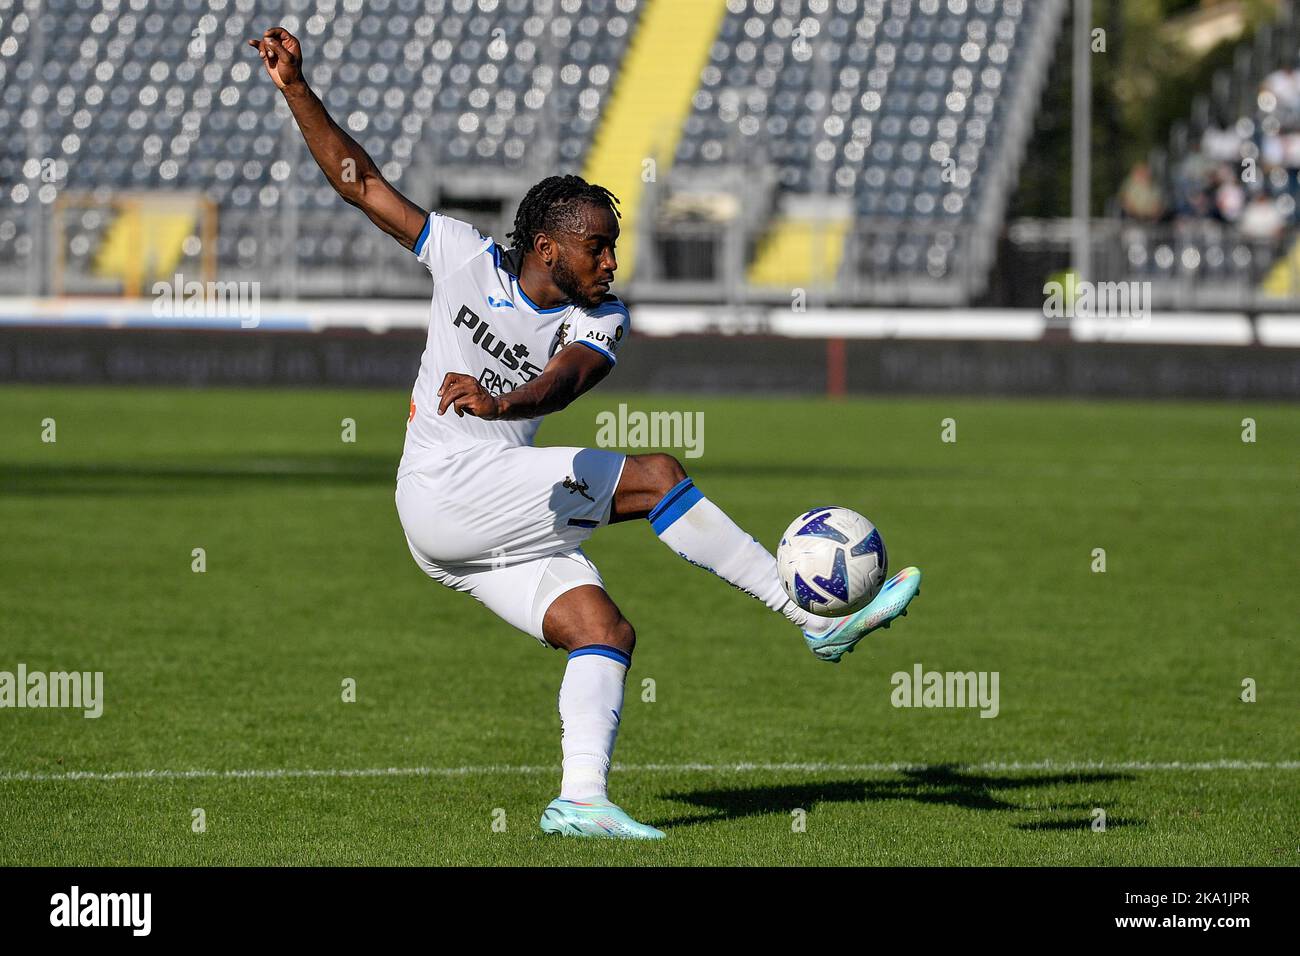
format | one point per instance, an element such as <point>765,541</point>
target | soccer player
<point>514,335</point>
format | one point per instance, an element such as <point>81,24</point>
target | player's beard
<point>567,283</point>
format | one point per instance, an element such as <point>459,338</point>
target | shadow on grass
<point>1061,826</point>
<point>215,475</point>
<point>826,469</point>
<point>932,785</point>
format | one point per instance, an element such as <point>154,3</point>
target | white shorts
<point>506,523</point>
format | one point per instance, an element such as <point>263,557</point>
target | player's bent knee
<point>623,635</point>
<point>663,471</point>
<point>620,634</point>
<point>645,481</point>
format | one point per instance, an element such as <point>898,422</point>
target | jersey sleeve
<point>603,328</point>
<point>446,244</point>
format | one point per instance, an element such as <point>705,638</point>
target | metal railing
<point>1194,265</point>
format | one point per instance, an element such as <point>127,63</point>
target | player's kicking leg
<point>656,487</point>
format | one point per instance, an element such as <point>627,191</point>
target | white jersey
<point>482,324</point>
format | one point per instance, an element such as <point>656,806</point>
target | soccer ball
<point>832,561</point>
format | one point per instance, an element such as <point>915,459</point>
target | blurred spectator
<point>1245,173</point>
<point>1261,219</point>
<point>1139,196</point>
<point>1239,182</point>
<point>1291,150</point>
<point>1192,182</point>
<point>1221,145</point>
<point>1229,198</point>
<point>1270,150</point>
<point>1284,86</point>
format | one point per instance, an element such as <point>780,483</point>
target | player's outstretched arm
<point>574,369</point>
<point>347,166</point>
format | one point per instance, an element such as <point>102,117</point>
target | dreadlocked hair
<point>552,206</point>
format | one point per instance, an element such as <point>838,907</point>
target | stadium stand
<point>162,95</point>
<point>914,111</point>
<point>1214,222</point>
<point>871,143</point>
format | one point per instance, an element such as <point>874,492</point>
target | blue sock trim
<point>668,499</point>
<point>603,650</point>
<point>676,503</point>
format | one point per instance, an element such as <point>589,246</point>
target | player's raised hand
<point>465,394</point>
<point>281,54</point>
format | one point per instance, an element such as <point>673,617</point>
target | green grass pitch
<point>1106,679</point>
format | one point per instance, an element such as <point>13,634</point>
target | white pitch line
<point>1064,766</point>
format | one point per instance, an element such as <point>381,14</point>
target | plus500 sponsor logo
<point>512,357</point>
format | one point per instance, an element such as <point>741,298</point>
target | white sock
<point>591,701</point>
<point>701,532</point>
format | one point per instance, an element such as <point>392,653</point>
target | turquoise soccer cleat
<point>890,603</point>
<point>594,818</point>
